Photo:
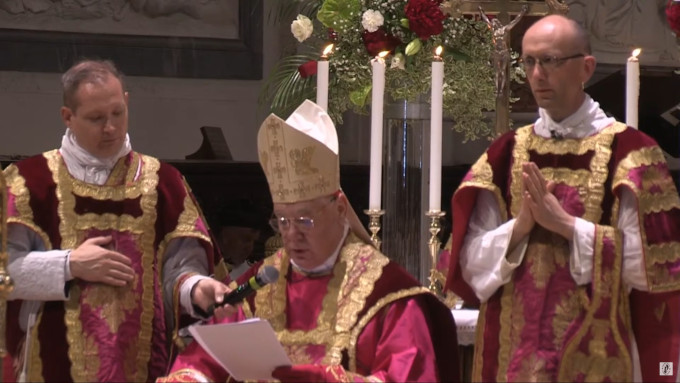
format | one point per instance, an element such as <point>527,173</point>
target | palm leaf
<point>285,89</point>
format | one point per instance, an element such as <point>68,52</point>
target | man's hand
<point>525,219</point>
<point>208,292</point>
<point>545,207</point>
<point>93,263</point>
<point>524,222</point>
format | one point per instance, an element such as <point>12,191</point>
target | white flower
<point>372,20</point>
<point>302,28</point>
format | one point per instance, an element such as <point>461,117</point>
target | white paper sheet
<point>248,350</point>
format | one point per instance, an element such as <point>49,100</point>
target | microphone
<point>267,275</point>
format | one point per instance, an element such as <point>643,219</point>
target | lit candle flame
<point>383,54</point>
<point>327,50</point>
<point>438,51</point>
<point>636,52</point>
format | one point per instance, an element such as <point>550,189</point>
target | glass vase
<point>406,184</point>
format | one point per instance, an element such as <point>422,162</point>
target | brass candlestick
<point>374,225</point>
<point>434,243</point>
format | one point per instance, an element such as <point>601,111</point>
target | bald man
<point>564,228</point>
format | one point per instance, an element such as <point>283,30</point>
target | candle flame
<point>636,52</point>
<point>327,50</point>
<point>383,54</point>
<point>438,51</point>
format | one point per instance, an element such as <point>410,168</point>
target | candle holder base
<point>433,245</point>
<point>374,225</point>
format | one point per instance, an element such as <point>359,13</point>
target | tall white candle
<point>436,111</point>
<point>632,89</point>
<point>322,78</point>
<point>377,94</point>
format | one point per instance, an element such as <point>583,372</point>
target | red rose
<point>673,16</point>
<point>307,69</point>
<point>379,41</point>
<point>424,17</point>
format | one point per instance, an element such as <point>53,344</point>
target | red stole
<point>102,333</point>
<point>541,325</point>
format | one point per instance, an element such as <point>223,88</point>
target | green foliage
<point>468,80</point>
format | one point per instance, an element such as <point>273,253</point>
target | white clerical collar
<point>84,166</point>
<point>586,121</point>
<point>330,262</point>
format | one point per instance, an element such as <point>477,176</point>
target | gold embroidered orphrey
<point>338,326</point>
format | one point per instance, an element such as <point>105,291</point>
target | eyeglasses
<point>304,224</point>
<point>547,62</point>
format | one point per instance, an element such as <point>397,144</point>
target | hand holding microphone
<point>267,275</point>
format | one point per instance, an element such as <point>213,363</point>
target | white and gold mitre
<point>299,156</point>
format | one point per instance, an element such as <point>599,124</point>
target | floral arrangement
<point>410,30</point>
<point>673,16</point>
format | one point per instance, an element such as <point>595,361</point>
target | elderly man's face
<point>560,67</point>
<point>311,245</point>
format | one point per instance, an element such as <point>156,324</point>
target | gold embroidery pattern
<point>115,303</point>
<point>298,354</point>
<point>287,155</point>
<point>601,144</point>
<point>663,253</point>
<point>120,172</point>
<point>520,154</point>
<point>354,275</point>
<point>532,369</point>
<point>591,191</point>
<point>185,375</point>
<point>657,255</point>
<point>17,187</point>
<point>507,328</point>
<point>566,312</point>
<point>643,157</point>
<point>546,251</point>
<point>598,365</point>
<point>302,160</point>
<point>379,305</point>
<point>188,218</point>
<point>482,178</point>
<point>83,352</point>
<point>574,146</point>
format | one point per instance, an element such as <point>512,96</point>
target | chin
<point>110,150</point>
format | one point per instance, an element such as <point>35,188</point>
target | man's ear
<point>66,115</point>
<point>589,64</point>
<point>342,204</point>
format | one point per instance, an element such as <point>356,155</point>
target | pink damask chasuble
<point>541,325</point>
<point>104,333</point>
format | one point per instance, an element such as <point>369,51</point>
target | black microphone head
<point>268,274</point>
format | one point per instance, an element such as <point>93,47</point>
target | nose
<point>108,126</point>
<point>292,233</point>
